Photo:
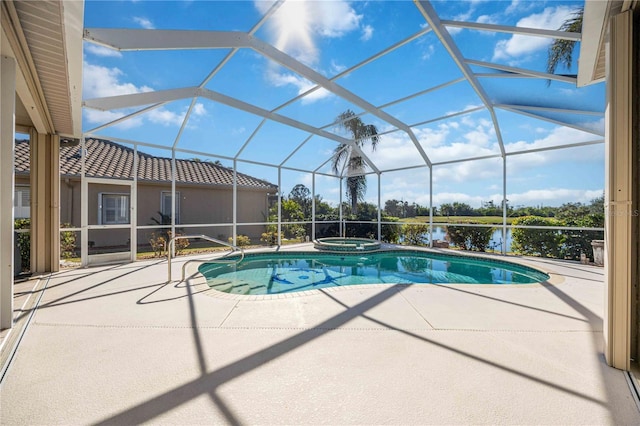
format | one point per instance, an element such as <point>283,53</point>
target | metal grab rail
<point>204,237</point>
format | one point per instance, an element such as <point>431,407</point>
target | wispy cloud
<point>367,33</point>
<point>143,22</point>
<point>295,29</point>
<point>518,47</point>
<point>99,81</point>
<point>101,51</point>
<point>296,25</point>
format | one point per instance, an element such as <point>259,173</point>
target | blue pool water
<point>275,273</point>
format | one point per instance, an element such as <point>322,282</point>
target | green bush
<point>469,237</point>
<point>67,242</point>
<point>538,242</point>
<point>270,238</point>
<point>414,234</point>
<point>390,233</point>
<point>241,240</point>
<point>24,242</point>
<point>577,241</point>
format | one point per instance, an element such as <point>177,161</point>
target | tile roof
<point>107,159</point>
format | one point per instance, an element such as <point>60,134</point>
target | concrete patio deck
<point>117,345</point>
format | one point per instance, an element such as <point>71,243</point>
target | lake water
<point>496,239</point>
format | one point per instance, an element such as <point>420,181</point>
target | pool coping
<point>196,279</point>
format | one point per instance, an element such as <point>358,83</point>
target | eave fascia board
<point>73,24</point>
<point>594,31</point>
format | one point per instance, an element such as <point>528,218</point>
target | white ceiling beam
<point>172,39</point>
<point>140,39</point>
<point>125,118</point>
<point>550,120</point>
<point>138,99</point>
<point>537,32</point>
<point>430,15</point>
<point>444,117</point>
<point>312,75</point>
<point>358,65</point>
<point>522,71</point>
<point>553,148</point>
<point>551,109</point>
<point>463,160</point>
<point>501,75</point>
<point>293,152</point>
<point>238,104</point>
<point>423,92</point>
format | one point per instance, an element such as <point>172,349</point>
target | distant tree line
<point>403,209</point>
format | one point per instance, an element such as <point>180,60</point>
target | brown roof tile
<point>107,159</point>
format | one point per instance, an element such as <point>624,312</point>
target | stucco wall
<point>198,205</point>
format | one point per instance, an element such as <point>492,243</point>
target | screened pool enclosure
<point>464,109</point>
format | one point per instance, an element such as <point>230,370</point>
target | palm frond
<point>561,51</point>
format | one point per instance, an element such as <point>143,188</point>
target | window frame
<point>19,198</point>
<point>102,210</point>
<point>167,194</point>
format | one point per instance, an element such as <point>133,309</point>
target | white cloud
<point>367,33</point>
<point>143,22</point>
<point>427,52</point>
<point>165,117</point>
<point>295,25</point>
<point>301,84</point>
<point>294,29</point>
<point>337,68</point>
<point>102,117</point>
<point>486,19</point>
<point>519,46</point>
<point>199,110</point>
<point>99,81</point>
<point>550,197</point>
<point>102,51</point>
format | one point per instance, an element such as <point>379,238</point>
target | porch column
<point>618,189</point>
<point>45,202</point>
<point>7,146</point>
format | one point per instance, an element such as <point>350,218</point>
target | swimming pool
<point>276,273</point>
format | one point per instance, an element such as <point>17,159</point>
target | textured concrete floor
<point>116,345</point>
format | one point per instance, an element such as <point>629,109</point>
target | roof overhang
<point>45,38</point>
<point>597,13</point>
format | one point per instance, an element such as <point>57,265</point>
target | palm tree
<point>345,155</point>
<point>561,51</point>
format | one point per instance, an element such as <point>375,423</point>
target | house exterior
<point>204,194</point>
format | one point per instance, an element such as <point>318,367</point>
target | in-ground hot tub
<point>346,244</point>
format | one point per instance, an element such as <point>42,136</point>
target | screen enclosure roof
<point>265,82</point>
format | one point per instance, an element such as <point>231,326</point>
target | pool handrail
<point>214,260</point>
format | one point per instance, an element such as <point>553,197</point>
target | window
<point>165,205</point>
<point>114,209</point>
<point>22,202</point>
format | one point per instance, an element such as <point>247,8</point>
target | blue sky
<point>330,37</point>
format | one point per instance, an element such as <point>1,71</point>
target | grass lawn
<point>488,220</point>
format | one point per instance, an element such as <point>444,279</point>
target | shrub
<point>67,242</point>
<point>241,240</point>
<point>469,237</point>
<point>390,233</point>
<point>158,244</point>
<point>270,238</point>
<point>180,244</point>
<point>578,241</point>
<point>538,242</point>
<point>24,243</point>
<point>414,234</point>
